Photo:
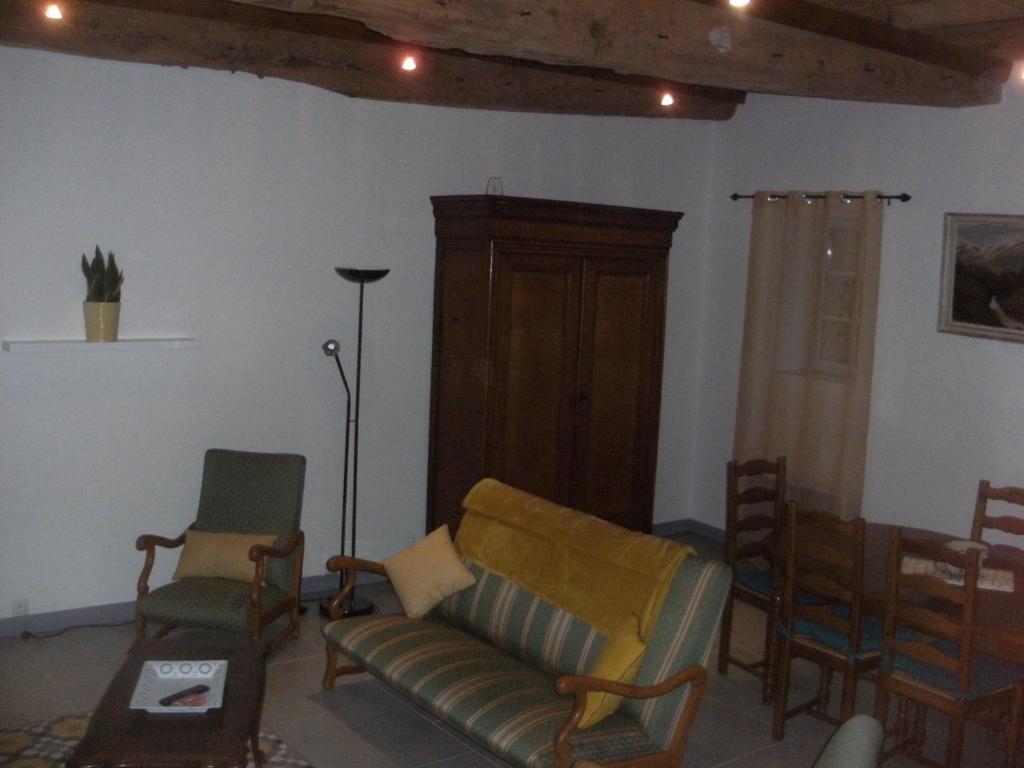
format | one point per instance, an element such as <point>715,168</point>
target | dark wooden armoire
<point>548,332</point>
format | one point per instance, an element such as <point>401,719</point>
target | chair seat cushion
<point>870,633</point>
<point>988,674</point>
<point>208,603</point>
<point>760,582</point>
<point>504,703</point>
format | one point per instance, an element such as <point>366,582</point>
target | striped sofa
<point>505,661</point>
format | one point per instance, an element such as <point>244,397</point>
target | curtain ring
<point>807,199</point>
<point>845,199</point>
<point>773,198</point>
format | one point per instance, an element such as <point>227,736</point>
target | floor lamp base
<point>354,606</point>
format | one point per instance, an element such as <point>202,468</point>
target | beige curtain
<point>809,342</point>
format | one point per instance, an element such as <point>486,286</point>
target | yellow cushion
<point>619,660</point>
<point>594,569</point>
<point>427,572</point>
<point>223,555</point>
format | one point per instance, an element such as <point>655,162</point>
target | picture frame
<point>982,290</point>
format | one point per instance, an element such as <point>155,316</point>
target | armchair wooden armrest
<point>351,566</point>
<point>148,543</point>
<point>579,686</point>
<point>257,551</point>
<point>149,540</point>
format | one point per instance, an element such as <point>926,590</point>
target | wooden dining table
<point>999,625</point>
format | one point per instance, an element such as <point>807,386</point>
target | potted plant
<point>102,305</point>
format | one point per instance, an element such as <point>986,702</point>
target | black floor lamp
<point>355,606</point>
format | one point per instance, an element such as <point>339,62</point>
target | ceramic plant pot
<point>101,319</point>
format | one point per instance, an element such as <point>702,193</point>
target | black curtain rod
<point>903,197</point>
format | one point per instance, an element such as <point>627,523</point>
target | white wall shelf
<point>76,345</point>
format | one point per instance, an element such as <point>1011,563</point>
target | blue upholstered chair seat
<point>760,582</point>
<point>988,674</point>
<point>870,633</point>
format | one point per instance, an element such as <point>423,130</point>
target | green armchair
<point>250,493</point>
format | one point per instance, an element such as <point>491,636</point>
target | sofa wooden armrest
<point>351,566</point>
<point>579,686</point>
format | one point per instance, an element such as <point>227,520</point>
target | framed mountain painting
<point>983,276</point>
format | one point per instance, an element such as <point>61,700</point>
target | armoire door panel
<point>535,337</point>
<point>618,403</point>
<point>459,389</point>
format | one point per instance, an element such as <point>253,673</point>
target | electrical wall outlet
<point>20,607</point>
<point>494,185</point>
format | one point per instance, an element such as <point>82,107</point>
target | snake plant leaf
<point>97,266</point>
<point>103,278</point>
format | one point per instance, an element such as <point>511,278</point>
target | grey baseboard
<point>676,527</point>
<point>313,588</point>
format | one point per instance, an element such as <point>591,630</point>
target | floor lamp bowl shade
<point>361,275</point>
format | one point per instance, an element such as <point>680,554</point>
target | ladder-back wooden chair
<point>754,499</point>
<point>1003,555</point>
<point>1006,523</point>
<point>824,560</point>
<point>930,662</point>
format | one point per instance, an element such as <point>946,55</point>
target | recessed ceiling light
<point>409,63</point>
<point>667,100</point>
<point>54,12</point>
<point>739,3</point>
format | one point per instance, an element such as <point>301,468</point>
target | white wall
<point>946,410</point>
<point>228,200</point>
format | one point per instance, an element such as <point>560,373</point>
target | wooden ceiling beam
<point>1005,37</point>
<point>685,40</point>
<point>873,33</point>
<point>341,56</point>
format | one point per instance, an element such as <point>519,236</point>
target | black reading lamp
<point>355,606</point>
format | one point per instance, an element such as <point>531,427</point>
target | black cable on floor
<point>27,635</point>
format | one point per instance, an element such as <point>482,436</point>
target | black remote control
<point>167,701</point>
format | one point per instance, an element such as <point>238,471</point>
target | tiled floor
<point>363,723</point>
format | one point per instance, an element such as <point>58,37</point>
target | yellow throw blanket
<point>594,569</point>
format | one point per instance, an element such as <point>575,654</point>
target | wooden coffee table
<point>120,736</point>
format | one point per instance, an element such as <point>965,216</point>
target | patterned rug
<point>49,744</point>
